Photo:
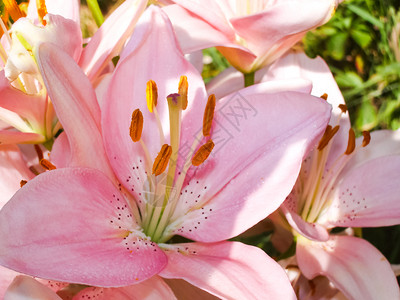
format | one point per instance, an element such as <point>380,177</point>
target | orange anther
<point>136,128</point>
<point>161,161</point>
<point>202,154</point>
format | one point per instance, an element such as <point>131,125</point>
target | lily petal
<point>254,164</point>
<point>75,103</point>
<point>85,226</point>
<point>367,196</point>
<point>151,289</point>
<point>6,277</point>
<point>27,288</point>
<point>229,270</point>
<point>16,137</point>
<point>356,268</point>
<point>12,170</point>
<point>110,37</point>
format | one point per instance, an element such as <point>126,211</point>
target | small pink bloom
<point>250,34</point>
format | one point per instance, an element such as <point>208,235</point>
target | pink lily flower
<point>250,34</point>
<point>111,226</point>
<point>343,183</point>
<point>24,104</point>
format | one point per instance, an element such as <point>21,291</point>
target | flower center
<point>320,171</point>
<point>162,188</point>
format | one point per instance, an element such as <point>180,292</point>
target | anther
<point>135,130</point>
<point>208,115</point>
<point>47,164</point>
<point>202,154</point>
<point>161,161</point>
<point>351,145</point>
<point>328,135</point>
<point>367,138</point>
<point>183,91</point>
<point>343,108</point>
<point>22,183</point>
<point>13,9</point>
<point>151,94</point>
<point>324,96</point>
<point>42,10</point>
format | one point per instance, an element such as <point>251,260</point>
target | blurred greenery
<point>361,45</point>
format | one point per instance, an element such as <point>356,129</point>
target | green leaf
<point>365,15</point>
<point>337,45</point>
<point>366,116</point>
<point>361,38</point>
<point>349,80</point>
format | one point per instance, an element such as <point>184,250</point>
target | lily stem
<point>248,79</point>
<point>96,12</point>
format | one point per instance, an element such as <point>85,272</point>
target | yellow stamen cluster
<point>12,8</point>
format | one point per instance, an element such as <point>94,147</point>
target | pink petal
<point>367,196</point>
<point>67,9</point>
<point>194,33</point>
<point>383,143</point>
<point>75,103</point>
<point>230,80</point>
<point>254,164</point>
<point>279,21</point>
<point>78,219</point>
<point>25,287</point>
<point>110,37</point>
<point>356,268</point>
<point>312,231</point>
<point>30,107</point>
<point>184,290</point>
<point>151,289</point>
<point>61,151</point>
<point>6,277</point>
<point>153,38</point>
<point>228,270</point>
<point>13,169</point>
<point>15,137</point>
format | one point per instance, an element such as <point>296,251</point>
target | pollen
<point>161,161</point>
<point>47,164</point>
<point>367,138</point>
<point>208,115</point>
<point>13,9</point>
<point>351,145</point>
<point>328,135</point>
<point>151,95</point>
<point>324,96</point>
<point>42,10</point>
<point>183,91</point>
<point>22,183</point>
<point>135,130</point>
<point>343,108</point>
<point>202,154</point>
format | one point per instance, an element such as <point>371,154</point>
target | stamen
<point>161,161</point>
<point>208,115</point>
<point>47,164</point>
<point>136,128</point>
<point>324,96</point>
<point>13,9</point>
<point>183,91</point>
<point>343,107</point>
<point>351,145</point>
<point>328,135</point>
<point>42,10</point>
<point>202,154</point>
<point>367,138</point>
<point>22,183</point>
<point>39,152</point>
<point>151,95</point>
